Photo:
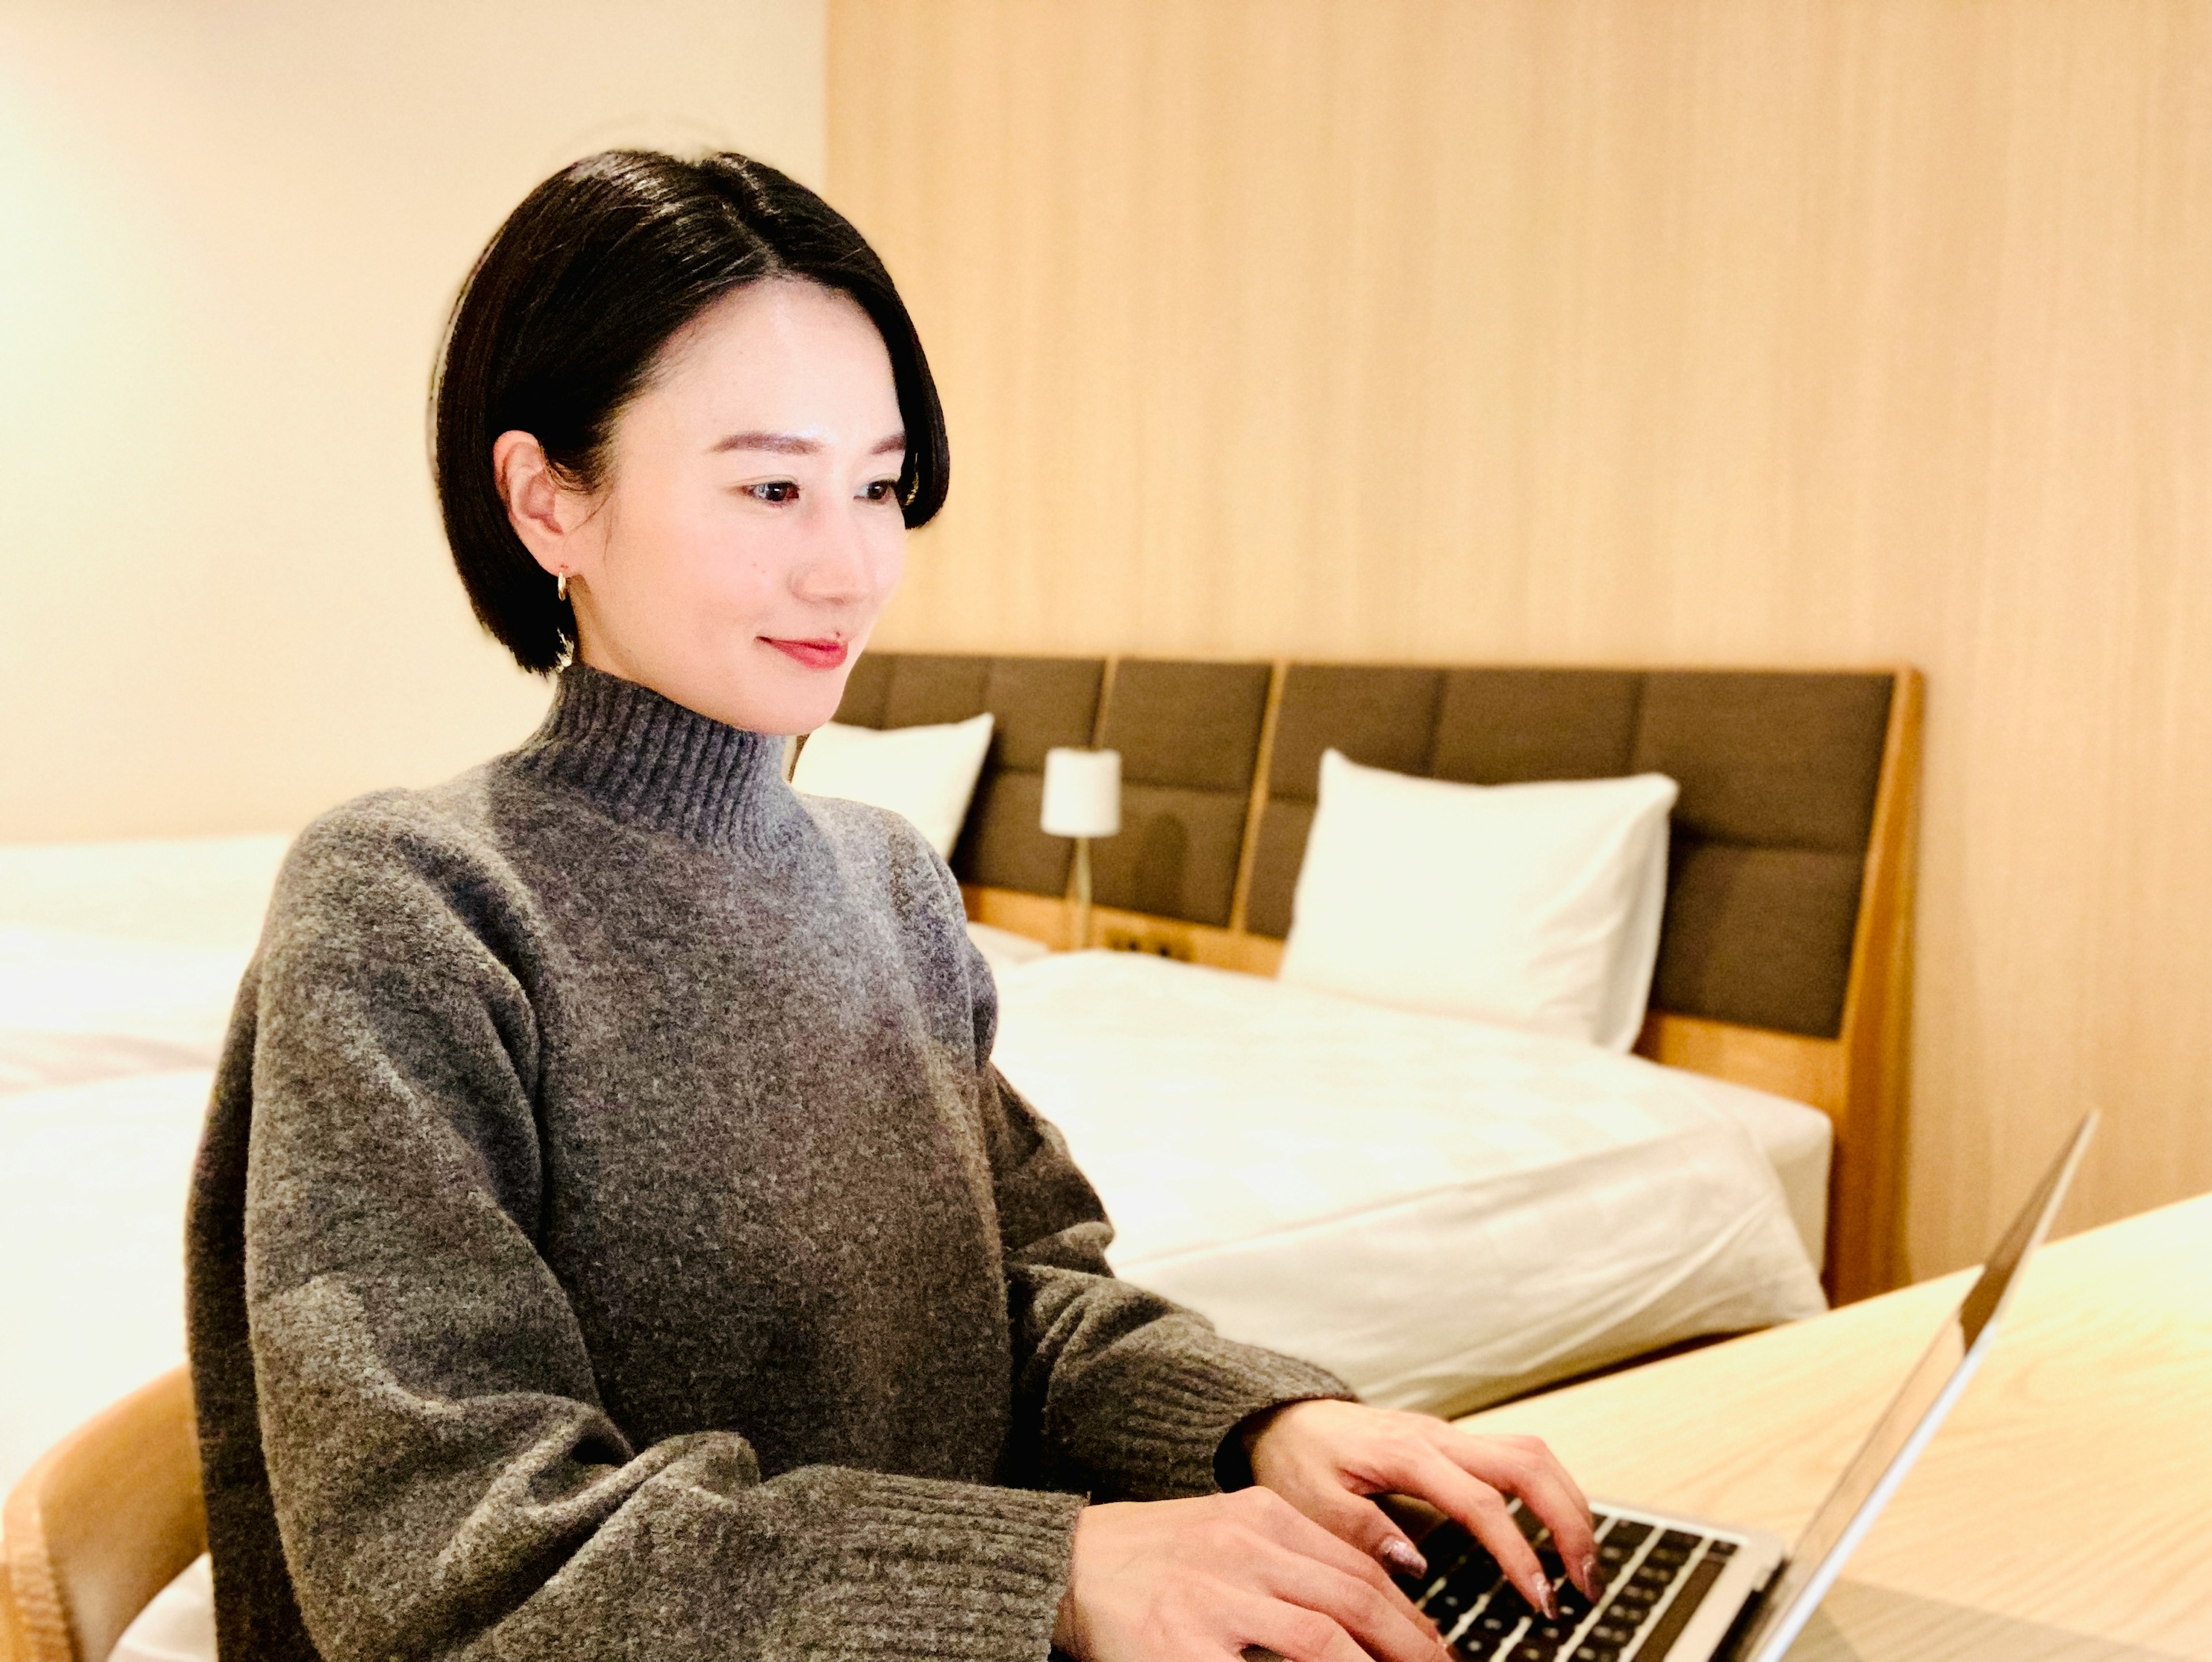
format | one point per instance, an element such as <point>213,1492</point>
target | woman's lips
<point>814,655</point>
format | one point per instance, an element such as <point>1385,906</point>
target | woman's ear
<point>533,496</point>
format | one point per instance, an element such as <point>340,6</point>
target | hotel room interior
<point>1600,615</point>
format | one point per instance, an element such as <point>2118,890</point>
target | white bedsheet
<point>124,958</point>
<point>187,892</point>
<point>119,964</point>
<point>178,1625</point>
<point>1798,1142</point>
<point>77,1007</point>
<point>1440,1211</point>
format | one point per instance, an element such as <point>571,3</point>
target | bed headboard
<point>1189,739</point>
<point>1784,960</point>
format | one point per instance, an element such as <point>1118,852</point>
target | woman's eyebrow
<point>783,444</point>
<point>800,444</point>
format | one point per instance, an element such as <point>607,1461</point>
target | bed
<point>118,963</point>
<point>1773,1051</point>
<point>1442,1212</point>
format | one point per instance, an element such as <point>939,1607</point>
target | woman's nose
<point>836,565</point>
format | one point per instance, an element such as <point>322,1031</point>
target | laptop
<point>1683,1590</point>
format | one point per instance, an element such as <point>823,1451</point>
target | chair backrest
<point>108,1517</point>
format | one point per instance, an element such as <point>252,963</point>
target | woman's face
<point>747,532</point>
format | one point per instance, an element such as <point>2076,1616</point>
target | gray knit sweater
<point>611,1238</point>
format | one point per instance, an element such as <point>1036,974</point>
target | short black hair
<point>560,323</point>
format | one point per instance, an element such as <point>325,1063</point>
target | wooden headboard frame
<point>1857,1078</point>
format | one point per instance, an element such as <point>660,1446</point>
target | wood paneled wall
<point>1710,331</point>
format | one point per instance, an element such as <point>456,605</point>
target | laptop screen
<point>1906,1426</point>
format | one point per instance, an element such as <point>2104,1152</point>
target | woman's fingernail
<point>1592,1576</point>
<point>1398,1553</point>
<point>1547,1600</point>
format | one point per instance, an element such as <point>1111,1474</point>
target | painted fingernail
<point>1592,1576</point>
<point>1546,1601</point>
<point>1398,1553</point>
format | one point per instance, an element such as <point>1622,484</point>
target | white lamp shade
<point>1082,792</point>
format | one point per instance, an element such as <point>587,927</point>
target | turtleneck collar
<point>650,762</point>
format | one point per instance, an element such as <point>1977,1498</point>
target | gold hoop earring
<point>560,585</point>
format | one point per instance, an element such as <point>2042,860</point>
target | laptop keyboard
<point>1656,1579</point>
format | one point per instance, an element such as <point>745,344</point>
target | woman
<point>611,1236</point>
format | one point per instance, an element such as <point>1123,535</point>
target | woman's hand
<point>1326,1458</point>
<point>1200,1581</point>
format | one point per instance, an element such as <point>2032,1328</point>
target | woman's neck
<point>650,762</point>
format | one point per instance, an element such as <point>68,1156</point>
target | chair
<point>108,1517</point>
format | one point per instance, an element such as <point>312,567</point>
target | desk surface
<point>2064,1513</point>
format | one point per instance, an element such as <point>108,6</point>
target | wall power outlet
<point>1160,946</point>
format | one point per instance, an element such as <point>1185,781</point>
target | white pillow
<point>1533,906</point>
<point>926,773</point>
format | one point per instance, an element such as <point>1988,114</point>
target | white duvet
<point>1442,1212</point>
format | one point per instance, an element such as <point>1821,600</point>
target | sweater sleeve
<point>445,1479</point>
<point>1117,1392</point>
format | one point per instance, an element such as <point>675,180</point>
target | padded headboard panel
<point>1777,772</point>
<point>1035,703</point>
<point>1189,739</point>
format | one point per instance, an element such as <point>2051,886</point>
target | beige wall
<point>1746,331</point>
<point>228,235</point>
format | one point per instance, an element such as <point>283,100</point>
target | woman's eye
<point>881,490</point>
<point>777,490</point>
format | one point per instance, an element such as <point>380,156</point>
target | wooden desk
<point>2063,1514</point>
